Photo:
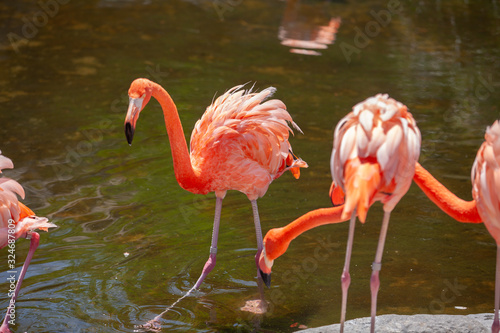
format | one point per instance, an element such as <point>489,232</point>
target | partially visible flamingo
<point>240,143</point>
<point>375,150</point>
<point>485,207</point>
<point>16,220</point>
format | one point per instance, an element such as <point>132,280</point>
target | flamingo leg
<point>495,328</point>
<point>258,233</point>
<point>260,246</point>
<point>376,267</point>
<point>35,240</point>
<point>210,264</point>
<point>346,277</point>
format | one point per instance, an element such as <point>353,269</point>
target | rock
<point>421,323</point>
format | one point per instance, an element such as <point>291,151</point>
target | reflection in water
<point>306,28</point>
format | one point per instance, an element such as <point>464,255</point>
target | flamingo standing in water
<point>374,153</point>
<point>485,207</point>
<point>240,143</point>
<point>16,220</point>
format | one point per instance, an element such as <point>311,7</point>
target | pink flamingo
<point>240,143</point>
<point>16,220</point>
<point>485,207</point>
<point>374,153</point>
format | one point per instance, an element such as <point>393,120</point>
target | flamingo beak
<point>266,278</point>
<point>134,108</point>
<point>265,268</point>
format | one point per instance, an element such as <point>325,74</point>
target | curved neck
<point>308,221</point>
<point>460,210</point>
<point>183,169</point>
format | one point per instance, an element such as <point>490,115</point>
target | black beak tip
<point>266,278</point>
<point>129,132</point>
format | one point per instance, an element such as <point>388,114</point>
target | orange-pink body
<point>375,150</point>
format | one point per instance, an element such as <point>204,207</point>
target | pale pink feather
<point>486,180</point>
<point>241,142</point>
<point>378,129</point>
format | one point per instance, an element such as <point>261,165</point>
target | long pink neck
<point>460,210</point>
<point>183,169</point>
<point>283,236</point>
<point>312,220</point>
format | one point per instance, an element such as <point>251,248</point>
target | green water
<point>63,100</point>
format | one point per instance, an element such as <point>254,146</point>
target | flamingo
<point>374,153</point>
<point>16,220</point>
<point>240,143</point>
<point>485,206</point>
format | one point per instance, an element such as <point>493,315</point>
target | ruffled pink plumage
<point>375,150</point>
<point>241,142</point>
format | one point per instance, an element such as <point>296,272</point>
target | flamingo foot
<point>209,265</point>
<point>495,328</point>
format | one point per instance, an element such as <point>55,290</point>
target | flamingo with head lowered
<point>375,150</point>
<point>16,221</point>
<point>240,143</point>
<point>485,207</point>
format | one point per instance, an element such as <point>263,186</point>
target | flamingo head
<point>274,246</point>
<point>265,265</point>
<point>139,95</point>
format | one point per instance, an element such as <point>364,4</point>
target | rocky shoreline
<point>421,323</point>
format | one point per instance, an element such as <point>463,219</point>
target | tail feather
<point>362,181</point>
<point>337,195</point>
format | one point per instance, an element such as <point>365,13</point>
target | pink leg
<point>495,328</point>
<point>376,267</point>
<point>35,240</point>
<point>258,233</point>
<point>346,278</point>
<point>210,264</point>
<point>260,246</point>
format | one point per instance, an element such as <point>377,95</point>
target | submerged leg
<point>495,328</point>
<point>210,264</point>
<point>346,278</point>
<point>260,246</point>
<point>376,267</point>
<point>35,240</point>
